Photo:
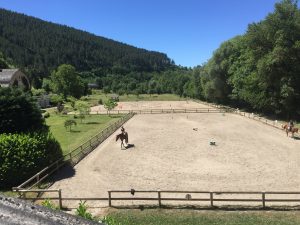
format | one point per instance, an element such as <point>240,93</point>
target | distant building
<point>13,78</point>
<point>93,85</point>
<point>114,97</point>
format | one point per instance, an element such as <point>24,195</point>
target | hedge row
<point>23,155</point>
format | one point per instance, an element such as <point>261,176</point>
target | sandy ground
<point>142,105</point>
<point>170,155</point>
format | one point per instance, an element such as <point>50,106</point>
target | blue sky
<point>188,31</point>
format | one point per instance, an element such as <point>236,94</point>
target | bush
<point>23,155</point>
<point>50,205</point>
<point>82,211</point>
<point>19,111</point>
<point>100,101</point>
<point>46,115</point>
<point>56,99</point>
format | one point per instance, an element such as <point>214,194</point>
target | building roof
<point>13,78</point>
<point>6,75</point>
<point>19,212</point>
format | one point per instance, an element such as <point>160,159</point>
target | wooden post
<point>59,198</point>
<point>211,199</point>
<point>109,198</point>
<point>264,199</point>
<point>159,199</point>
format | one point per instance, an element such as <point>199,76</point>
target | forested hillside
<point>40,47</point>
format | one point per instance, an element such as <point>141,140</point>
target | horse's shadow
<point>129,146</point>
<point>296,138</point>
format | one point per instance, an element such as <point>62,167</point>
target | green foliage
<point>196,217</point>
<point>82,211</point>
<point>3,62</point>
<point>41,46</point>
<point>46,85</point>
<point>23,155</point>
<point>66,81</point>
<point>69,124</point>
<point>83,109</point>
<point>56,99</point>
<point>19,111</point>
<point>110,105</point>
<point>46,115</point>
<point>108,220</point>
<point>261,68</point>
<point>38,92</point>
<point>100,101</point>
<point>50,205</point>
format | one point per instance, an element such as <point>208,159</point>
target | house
<point>14,78</point>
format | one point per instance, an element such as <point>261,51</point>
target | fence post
<point>211,199</point>
<point>159,199</point>
<point>263,199</point>
<point>59,198</point>
<point>109,198</point>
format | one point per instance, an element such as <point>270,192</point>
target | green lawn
<point>191,217</point>
<point>97,94</point>
<point>80,133</point>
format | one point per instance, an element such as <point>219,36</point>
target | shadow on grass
<point>88,123</point>
<point>215,208</point>
<point>75,131</point>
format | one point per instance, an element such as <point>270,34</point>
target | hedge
<point>23,155</point>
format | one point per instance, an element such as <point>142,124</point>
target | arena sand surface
<point>145,105</point>
<point>173,152</point>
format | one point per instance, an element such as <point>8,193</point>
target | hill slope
<point>41,46</point>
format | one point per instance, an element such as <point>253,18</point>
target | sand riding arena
<point>174,152</point>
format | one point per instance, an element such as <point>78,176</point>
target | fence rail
<point>162,111</point>
<point>73,157</point>
<point>208,198</point>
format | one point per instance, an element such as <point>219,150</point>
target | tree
<point>69,124</point>
<point>83,109</point>
<point>19,111</point>
<point>110,105</point>
<point>66,81</point>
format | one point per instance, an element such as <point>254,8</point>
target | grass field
<point>80,133</point>
<point>97,94</point>
<point>191,217</point>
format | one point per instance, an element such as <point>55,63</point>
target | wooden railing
<point>211,197</point>
<point>196,198</point>
<point>73,157</point>
<point>162,111</point>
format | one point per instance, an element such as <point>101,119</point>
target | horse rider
<point>291,125</point>
<point>123,130</point>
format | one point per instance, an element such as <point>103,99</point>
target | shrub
<point>56,99</point>
<point>46,115</point>
<point>50,205</point>
<point>100,101</point>
<point>19,111</point>
<point>82,211</point>
<point>23,155</point>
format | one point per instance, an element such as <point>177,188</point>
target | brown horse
<point>123,137</point>
<point>287,130</point>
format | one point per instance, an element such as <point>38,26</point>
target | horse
<point>122,136</point>
<point>287,130</point>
